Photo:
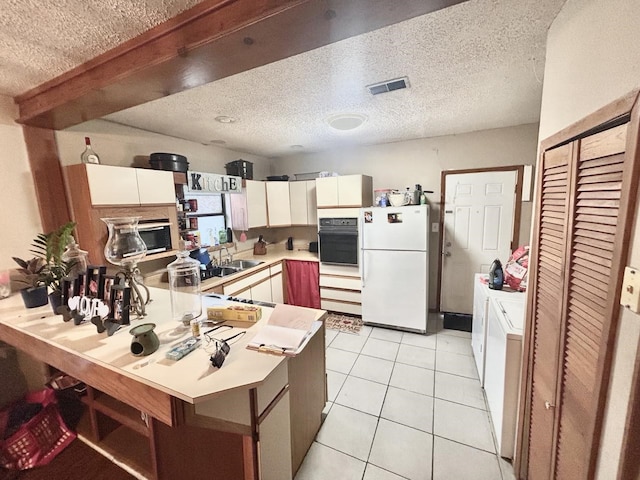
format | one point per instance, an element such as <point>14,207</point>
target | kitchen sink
<point>224,271</point>
<point>243,264</point>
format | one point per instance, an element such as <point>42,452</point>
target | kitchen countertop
<point>275,253</point>
<point>190,379</point>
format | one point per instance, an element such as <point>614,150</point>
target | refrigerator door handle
<point>362,253</point>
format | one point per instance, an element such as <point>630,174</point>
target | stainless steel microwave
<point>156,234</point>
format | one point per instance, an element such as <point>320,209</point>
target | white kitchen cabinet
<point>344,191</point>
<point>278,204</point>
<point>502,368</point>
<point>340,289</point>
<point>302,197</point>
<point>249,208</point>
<point>256,286</point>
<point>155,186</point>
<point>277,286</point>
<point>111,185</point>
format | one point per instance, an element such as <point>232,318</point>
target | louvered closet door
<point>548,281</point>
<point>599,180</point>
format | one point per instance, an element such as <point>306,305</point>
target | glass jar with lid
<point>184,286</point>
<point>76,258</point>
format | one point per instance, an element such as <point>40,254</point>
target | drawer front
<point>335,306</point>
<point>341,270</point>
<point>342,295</point>
<point>246,282</point>
<point>350,283</point>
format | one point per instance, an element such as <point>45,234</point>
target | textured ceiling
<point>474,66</point>
<point>41,39</point>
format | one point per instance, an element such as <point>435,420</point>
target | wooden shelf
<point>120,412</point>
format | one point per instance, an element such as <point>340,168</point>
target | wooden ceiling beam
<point>213,40</point>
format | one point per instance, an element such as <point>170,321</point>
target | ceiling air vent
<point>388,86</point>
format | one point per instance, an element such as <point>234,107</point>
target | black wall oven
<point>339,241</point>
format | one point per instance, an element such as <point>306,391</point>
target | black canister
<point>496,275</point>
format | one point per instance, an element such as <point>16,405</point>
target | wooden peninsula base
<point>255,418</point>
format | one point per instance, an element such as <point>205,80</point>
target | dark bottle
<point>496,275</point>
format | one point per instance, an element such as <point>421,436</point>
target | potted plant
<point>50,248</point>
<point>34,291</point>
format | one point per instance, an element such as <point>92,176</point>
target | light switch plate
<point>630,296</point>
<point>435,227</point>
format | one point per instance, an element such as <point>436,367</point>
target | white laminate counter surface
<point>191,379</point>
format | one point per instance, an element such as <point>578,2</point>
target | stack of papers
<point>286,331</point>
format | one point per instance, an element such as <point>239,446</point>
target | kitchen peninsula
<point>255,417</point>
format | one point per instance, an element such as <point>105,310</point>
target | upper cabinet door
<point>350,191</point>
<point>298,202</point>
<point>278,204</point>
<point>109,185</point>
<point>155,186</point>
<point>327,192</point>
<point>256,203</point>
<point>312,204</point>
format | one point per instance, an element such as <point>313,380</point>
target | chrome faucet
<point>229,256</point>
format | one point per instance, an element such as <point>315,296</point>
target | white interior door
<point>478,228</point>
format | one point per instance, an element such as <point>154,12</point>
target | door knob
<point>448,244</point>
<point>549,406</point>
<point>447,254</point>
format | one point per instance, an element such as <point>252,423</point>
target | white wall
<point>593,57</point>
<point>126,146</point>
<point>403,164</point>
<point>20,220</point>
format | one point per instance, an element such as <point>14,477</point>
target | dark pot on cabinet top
<point>169,161</point>
<point>34,297</point>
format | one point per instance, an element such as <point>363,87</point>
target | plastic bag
<point>38,440</point>
<point>516,269</point>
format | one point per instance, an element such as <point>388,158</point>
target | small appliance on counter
<point>290,243</point>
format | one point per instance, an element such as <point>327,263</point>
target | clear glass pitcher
<point>184,285</point>
<point>124,246</point>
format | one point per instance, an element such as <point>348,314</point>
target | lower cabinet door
<point>275,443</point>
<point>277,291</point>
<point>262,291</point>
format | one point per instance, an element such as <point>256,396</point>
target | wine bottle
<point>89,156</point>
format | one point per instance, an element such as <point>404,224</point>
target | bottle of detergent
<point>496,275</point>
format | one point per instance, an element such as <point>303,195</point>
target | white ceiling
<point>474,66</point>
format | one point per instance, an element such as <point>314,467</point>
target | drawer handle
<point>549,406</point>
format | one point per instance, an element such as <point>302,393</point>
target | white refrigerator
<point>394,266</point>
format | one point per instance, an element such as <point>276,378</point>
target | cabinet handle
<point>549,406</point>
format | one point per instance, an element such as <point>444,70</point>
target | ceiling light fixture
<point>296,147</point>
<point>346,121</point>
<point>225,119</point>
<point>217,142</point>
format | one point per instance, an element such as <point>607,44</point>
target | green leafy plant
<point>30,272</point>
<point>50,248</point>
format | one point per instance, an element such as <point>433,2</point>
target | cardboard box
<point>236,313</point>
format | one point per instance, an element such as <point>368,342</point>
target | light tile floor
<point>403,406</point>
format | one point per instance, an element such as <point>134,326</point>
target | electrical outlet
<point>630,296</point>
<point>435,227</point>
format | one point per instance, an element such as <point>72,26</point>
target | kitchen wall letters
<point>202,182</point>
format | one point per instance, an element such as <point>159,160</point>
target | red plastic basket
<point>38,440</point>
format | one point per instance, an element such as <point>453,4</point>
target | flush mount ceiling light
<point>346,121</point>
<point>217,142</point>
<point>296,147</point>
<point>225,119</point>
